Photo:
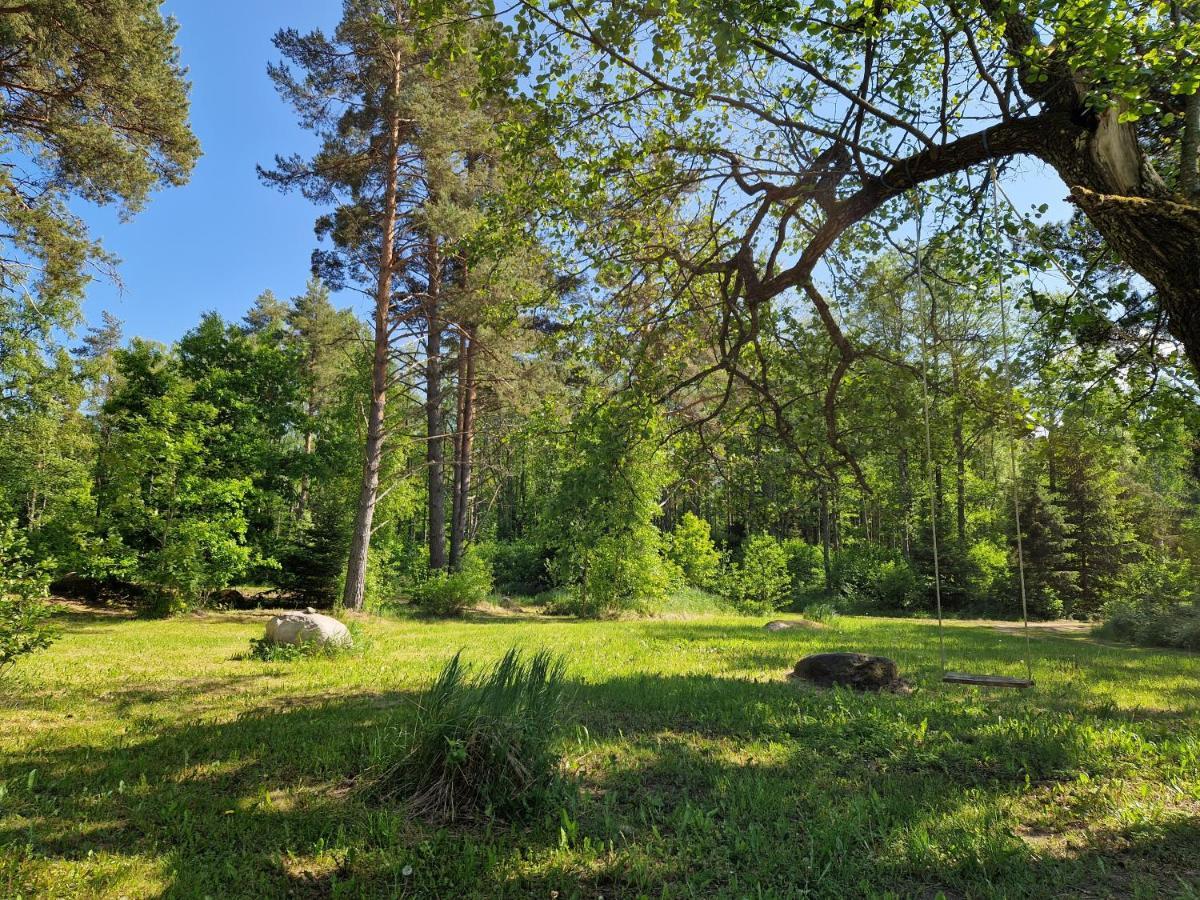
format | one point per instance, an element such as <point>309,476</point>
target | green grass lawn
<point>144,758</point>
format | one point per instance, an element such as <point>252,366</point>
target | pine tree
<point>94,99</point>
<point>354,93</point>
<point>326,340</point>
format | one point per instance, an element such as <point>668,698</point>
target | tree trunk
<point>465,445</point>
<point>825,561</point>
<point>1126,201</point>
<point>960,457</point>
<point>368,495</point>
<point>905,501</point>
<point>310,444</point>
<point>435,443</point>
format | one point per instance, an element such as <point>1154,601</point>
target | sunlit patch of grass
<point>701,770</point>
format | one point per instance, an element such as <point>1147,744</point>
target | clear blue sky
<point>223,238</point>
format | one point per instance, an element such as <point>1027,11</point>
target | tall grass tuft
<point>479,748</point>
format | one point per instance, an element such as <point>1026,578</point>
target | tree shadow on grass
<point>689,785</point>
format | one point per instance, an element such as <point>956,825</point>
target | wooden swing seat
<point>1000,681</point>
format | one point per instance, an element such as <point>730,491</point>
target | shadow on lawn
<point>707,784</point>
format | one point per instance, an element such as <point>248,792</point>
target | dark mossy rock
<point>852,670</point>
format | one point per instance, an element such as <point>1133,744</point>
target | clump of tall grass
<point>479,748</point>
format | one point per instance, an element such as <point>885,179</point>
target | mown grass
<point>144,758</point>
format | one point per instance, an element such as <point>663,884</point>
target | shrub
<point>870,577</point>
<point>976,577</point>
<point>270,651</point>
<point>1042,601</point>
<point>622,573</point>
<point>760,581</point>
<point>23,611</point>
<point>520,567</point>
<point>806,566</point>
<point>445,593</point>
<point>477,749</point>
<point>821,612</point>
<point>1158,606</point>
<point>691,548</point>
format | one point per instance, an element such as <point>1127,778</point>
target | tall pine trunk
<point>368,495</point>
<point>435,442</point>
<point>464,447</point>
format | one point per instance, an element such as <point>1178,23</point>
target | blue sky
<point>223,238</point>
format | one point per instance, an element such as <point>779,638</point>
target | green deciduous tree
<point>790,129</point>
<point>601,519</point>
<point>690,546</point>
<point>179,519</point>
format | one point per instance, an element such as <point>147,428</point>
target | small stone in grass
<point>785,624</point>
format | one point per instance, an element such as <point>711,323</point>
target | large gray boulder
<point>853,670</point>
<point>307,627</point>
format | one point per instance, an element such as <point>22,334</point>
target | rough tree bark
<point>464,448</point>
<point>368,496</point>
<point>435,441</point>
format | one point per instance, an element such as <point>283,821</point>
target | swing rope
<point>1012,437</point>
<point>926,340</point>
<point>932,488</point>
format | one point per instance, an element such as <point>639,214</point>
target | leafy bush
<point>821,612</point>
<point>520,567</point>
<point>691,548</point>
<point>870,577</point>
<point>760,581</point>
<point>445,593</point>
<point>477,749</point>
<point>806,565</point>
<point>976,576</point>
<point>622,573</point>
<point>1159,606</point>
<point>23,611</point>
<point>1042,601</point>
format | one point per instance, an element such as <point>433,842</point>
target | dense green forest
<point>162,475</point>
<point>559,390</point>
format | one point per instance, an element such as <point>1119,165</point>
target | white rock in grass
<point>306,627</point>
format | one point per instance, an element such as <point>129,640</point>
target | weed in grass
<point>478,748</point>
<point>821,612</point>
